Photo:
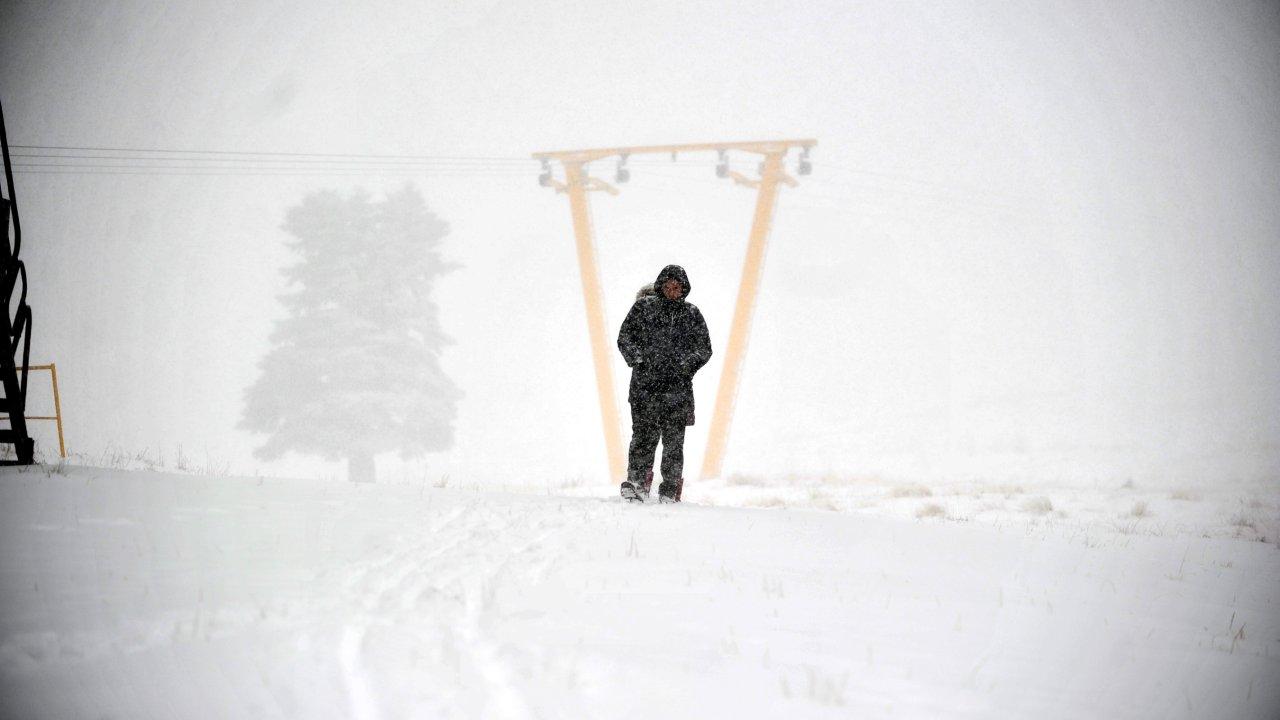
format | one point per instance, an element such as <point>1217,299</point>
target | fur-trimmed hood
<point>670,272</point>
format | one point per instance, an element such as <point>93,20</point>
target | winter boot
<point>669,490</point>
<point>631,493</point>
<point>636,487</point>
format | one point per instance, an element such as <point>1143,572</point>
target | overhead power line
<point>290,161</point>
<point>238,168</point>
<point>101,160</point>
<point>846,188</point>
<point>72,170</point>
<point>163,161</point>
<point>171,151</point>
<point>162,154</point>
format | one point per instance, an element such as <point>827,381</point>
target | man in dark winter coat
<point>664,341</point>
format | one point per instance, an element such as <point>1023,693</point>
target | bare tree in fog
<point>354,369</point>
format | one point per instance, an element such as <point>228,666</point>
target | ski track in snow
<point>421,590</point>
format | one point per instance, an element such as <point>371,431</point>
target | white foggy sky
<point>1041,240</point>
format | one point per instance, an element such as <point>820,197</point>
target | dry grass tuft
<point>58,468</point>
<point>742,479</point>
<point>931,510</point>
<point>902,491</point>
<point>1140,509</point>
<point>1126,528</point>
<point>820,500</point>
<point>1007,490</point>
<point>1241,520</point>
<point>1184,494</point>
<point>834,480</point>
<point>1038,505</point>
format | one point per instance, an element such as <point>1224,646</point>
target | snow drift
<point>132,594</point>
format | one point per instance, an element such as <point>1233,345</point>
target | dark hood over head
<point>669,272</point>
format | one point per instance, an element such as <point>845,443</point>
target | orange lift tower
<point>577,183</point>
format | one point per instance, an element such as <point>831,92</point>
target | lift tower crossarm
<point>760,147</point>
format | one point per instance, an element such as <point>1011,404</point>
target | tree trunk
<point>360,468</point>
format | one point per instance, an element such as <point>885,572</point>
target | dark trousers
<point>646,430</point>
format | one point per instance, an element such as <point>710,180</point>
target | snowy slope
<point>134,594</point>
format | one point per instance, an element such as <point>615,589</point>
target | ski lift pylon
<point>576,185</point>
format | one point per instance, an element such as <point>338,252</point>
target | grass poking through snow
<point>1038,505</point>
<point>931,510</point>
<point>902,491</point>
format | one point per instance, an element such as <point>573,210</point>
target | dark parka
<point>664,343</point>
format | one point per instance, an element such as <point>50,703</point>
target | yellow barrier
<point>57,405</point>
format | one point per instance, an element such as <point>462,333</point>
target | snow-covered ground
<point>136,594</point>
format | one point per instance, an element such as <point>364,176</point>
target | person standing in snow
<point>664,341</point>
